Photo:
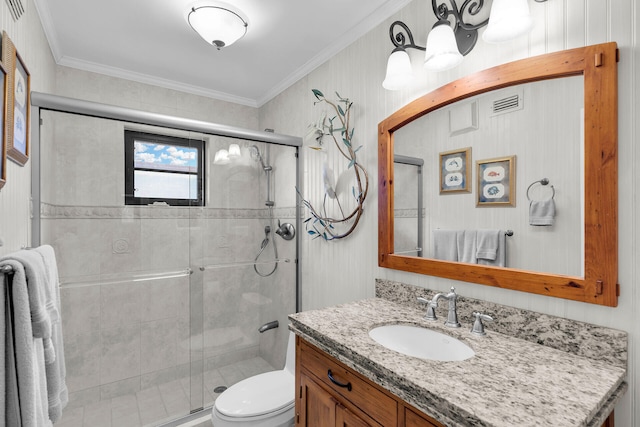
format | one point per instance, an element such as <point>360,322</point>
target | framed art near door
<point>17,90</point>
<point>3,140</point>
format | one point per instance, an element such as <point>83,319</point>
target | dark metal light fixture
<point>454,35</point>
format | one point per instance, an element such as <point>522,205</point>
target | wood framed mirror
<point>597,64</point>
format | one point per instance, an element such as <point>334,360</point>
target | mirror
<point>540,125</point>
<point>589,272</point>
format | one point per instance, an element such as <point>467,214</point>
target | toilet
<point>265,400</point>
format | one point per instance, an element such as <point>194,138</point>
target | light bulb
<point>399,71</point>
<point>442,50</point>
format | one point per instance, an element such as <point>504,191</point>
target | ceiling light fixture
<point>217,25</point>
<point>449,41</point>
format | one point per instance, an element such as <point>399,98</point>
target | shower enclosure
<point>163,305</point>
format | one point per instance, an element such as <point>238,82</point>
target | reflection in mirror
<point>575,147</point>
<point>541,124</point>
<point>409,212</point>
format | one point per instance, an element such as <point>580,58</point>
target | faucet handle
<point>431,312</point>
<point>478,326</point>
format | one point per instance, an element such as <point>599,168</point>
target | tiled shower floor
<point>158,405</point>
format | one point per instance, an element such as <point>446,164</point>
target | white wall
<point>343,271</point>
<point>28,37</point>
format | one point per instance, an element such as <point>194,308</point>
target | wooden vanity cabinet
<point>331,394</point>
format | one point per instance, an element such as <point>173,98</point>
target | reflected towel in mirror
<point>445,245</point>
<point>542,212</point>
<point>487,240</point>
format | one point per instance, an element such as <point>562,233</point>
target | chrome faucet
<point>452,316</point>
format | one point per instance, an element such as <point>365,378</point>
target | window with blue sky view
<point>165,169</point>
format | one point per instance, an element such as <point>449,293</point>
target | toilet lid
<point>258,395</point>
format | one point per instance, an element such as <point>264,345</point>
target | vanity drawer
<point>357,389</point>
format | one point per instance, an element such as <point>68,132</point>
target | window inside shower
<point>162,305</point>
<point>163,169</point>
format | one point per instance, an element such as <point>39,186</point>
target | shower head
<point>256,156</point>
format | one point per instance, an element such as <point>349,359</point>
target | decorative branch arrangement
<point>319,223</point>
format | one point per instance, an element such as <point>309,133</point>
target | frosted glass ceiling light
<point>399,71</point>
<point>442,50</point>
<point>217,25</point>
<point>508,20</point>
<point>447,44</point>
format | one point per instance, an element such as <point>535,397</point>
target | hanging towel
<point>445,245</point>
<point>34,270</point>
<point>25,393</point>
<point>58,395</point>
<point>487,244</point>
<point>542,212</point>
<point>501,254</point>
<point>466,243</point>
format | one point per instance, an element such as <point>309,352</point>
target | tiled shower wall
<point>157,294</point>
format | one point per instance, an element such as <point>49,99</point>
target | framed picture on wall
<point>18,110</point>
<point>3,142</point>
<point>496,182</point>
<point>455,171</point>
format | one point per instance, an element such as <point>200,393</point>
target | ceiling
<point>150,41</point>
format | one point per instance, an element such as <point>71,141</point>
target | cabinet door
<point>346,418</point>
<point>320,409</point>
<point>317,407</point>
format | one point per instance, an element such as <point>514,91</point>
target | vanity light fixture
<point>449,41</point>
<point>217,24</point>
<point>224,156</point>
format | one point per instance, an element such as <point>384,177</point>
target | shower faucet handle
<point>287,231</point>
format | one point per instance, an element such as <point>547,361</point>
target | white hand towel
<point>55,369</point>
<point>501,254</point>
<point>445,245</point>
<point>542,212</point>
<point>488,241</point>
<point>467,246</point>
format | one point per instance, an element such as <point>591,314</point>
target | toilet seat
<point>258,396</point>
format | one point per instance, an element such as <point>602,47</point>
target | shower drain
<point>220,389</point>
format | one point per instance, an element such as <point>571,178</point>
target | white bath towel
<point>55,369</point>
<point>542,212</point>
<point>34,269</point>
<point>445,245</point>
<point>501,253</point>
<point>466,242</point>
<point>26,394</point>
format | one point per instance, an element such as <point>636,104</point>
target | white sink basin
<point>421,342</point>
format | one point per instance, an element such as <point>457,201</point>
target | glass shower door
<point>161,305</point>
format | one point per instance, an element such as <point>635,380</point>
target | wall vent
<point>16,7</point>
<point>507,104</point>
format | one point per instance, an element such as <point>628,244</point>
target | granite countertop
<point>509,382</point>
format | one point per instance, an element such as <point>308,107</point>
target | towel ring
<point>543,181</point>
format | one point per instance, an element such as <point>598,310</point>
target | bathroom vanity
<point>345,397</point>
<point>537,370</point>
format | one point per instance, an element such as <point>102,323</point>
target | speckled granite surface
<point>581,339</point>
<point>509,382</point>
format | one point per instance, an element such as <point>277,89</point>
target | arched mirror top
<point>597,64</point>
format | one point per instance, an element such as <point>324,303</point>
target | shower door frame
<point>48,102</point>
